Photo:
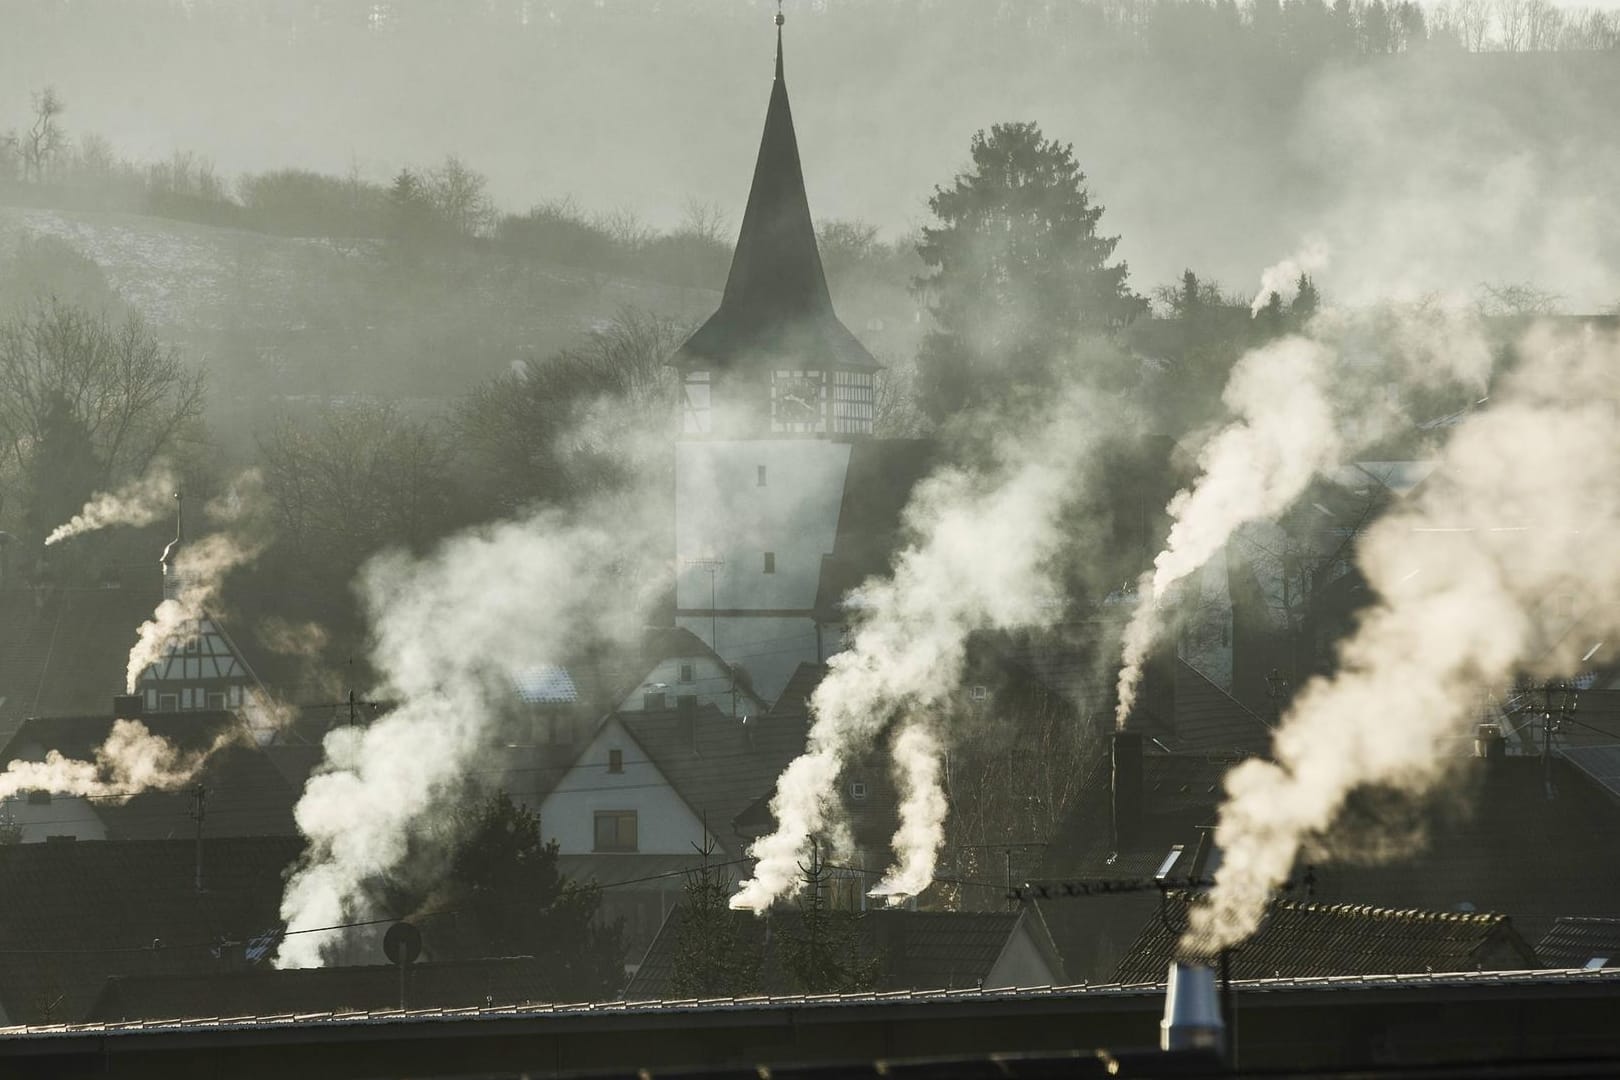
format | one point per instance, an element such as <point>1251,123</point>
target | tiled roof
<point>718,764</point>
<point>1302,940</point>
<point>63,651</point>
<point>267,992</point>
<point>75,913</point>
<point>1575,942</point>
<point>914,949</point>
<point>248,795</point>
<point>877,486</point>
<point>611,869</point>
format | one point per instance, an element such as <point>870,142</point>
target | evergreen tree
<point>511,900</point>
<point>713,954</point>
<point>1017,271</point>
<point>1306,301</point>
<point>821,950</point>
<point>63,471</point>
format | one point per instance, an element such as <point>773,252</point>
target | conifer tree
<point>1017,271</point>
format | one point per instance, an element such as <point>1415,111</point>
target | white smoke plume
<point>1301,405</point>
<point>140,502</point>
<point>923,806</point>
<point>132,760</point>
<point>450,631</point>
<point>1522,511</point>
<point>1282,277</point>
<point>982,554</point>
<point>201,567</point>
<point>1284,433</point>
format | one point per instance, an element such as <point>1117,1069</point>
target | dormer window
<point>857,790</point>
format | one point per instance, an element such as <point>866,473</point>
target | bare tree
<point>355,479</point>
<point>1512,20</point>
<point>1544,24</point>
<point>44,136</point>
<point>134,397</point>
<point>1472,19</point>
<point>460,197</point>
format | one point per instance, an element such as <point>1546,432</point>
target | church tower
<point>775,392</point>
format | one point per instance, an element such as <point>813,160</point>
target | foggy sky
<point>1202,159</point>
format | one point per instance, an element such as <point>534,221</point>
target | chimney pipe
<point>1126,786</point>
<point>1192,1010</point>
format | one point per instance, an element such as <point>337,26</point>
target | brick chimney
<point>1125,785</point>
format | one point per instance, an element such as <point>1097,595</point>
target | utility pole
<point>199,800</point>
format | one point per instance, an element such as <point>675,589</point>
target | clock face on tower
<point>796,400</point>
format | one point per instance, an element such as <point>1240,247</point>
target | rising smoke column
<point>201,567</point>
<point>451,631</point>
<point>132,760</point>
<point>140,502</point>
<point>1301,405</point>
<point>1523,508</point>
<point>984,545</point>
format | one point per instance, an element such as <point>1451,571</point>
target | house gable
<point>665,824</point>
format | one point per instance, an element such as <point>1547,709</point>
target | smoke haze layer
<point>984,547</point>
<point>451,632</point>
<point>1301,405</point>
<point>1469,574</point>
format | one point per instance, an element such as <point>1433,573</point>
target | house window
<point>761,480</point>
<point>615,830</point>
<point>981,692</point>
<point>216,701</point>
<point>168,702</point>
<point>615,761</point>
<point>770,562</point>
<point>686,673</point>
<point>857,790</point>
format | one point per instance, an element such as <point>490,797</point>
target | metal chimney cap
<point>1192,1010</point>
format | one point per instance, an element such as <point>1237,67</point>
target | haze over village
<point>1077,542</point>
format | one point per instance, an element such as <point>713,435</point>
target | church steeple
<point>776,311</point>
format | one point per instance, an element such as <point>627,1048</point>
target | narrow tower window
<point>762,476</point>
<point>770,562</point>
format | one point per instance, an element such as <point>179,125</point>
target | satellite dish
<point>402,944</point>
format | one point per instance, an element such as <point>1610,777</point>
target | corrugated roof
<point>1301,940</point>
<point>440,985</point>
<point>1441,982</point>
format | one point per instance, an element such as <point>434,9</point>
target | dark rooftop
<point>248,794</point>
<point>76,913</point>
<point>1581,941</point>
<point>1306,940</point>
<point>267,992</point>
<point>914,949</point>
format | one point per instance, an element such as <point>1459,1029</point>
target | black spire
<point>776,305</point>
